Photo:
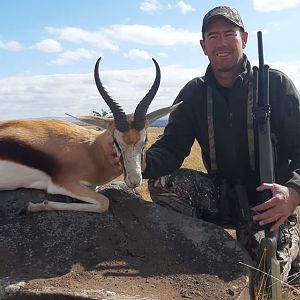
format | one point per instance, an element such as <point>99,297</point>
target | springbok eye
<point>116,144</point>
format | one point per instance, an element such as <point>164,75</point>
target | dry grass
<point>193,161</point>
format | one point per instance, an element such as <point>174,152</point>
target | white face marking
<point>132,157</point>
<point>14,175</point>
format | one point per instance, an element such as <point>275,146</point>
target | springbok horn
<point>117,111</point>
<point>141,109</point>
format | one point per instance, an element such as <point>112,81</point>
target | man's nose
<point>222,40</point>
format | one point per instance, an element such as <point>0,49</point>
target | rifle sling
<point>250,130</point>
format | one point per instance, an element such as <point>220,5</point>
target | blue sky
<point>48,50</point>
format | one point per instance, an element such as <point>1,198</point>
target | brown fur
<point>60,142</point>
<point>131,137</point>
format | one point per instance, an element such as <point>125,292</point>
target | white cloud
<point>51,95</point>
<point>137,53</point>
<point>70,56</point>
<point>108,38</point>
<point>157,36</point>
<point>274,5</point>
<point>150,6</point>
<point>11,45</point>
<point>49,46</point>
<point>98,39</point>
<point>54,95</point>
<point>290,68</point>
<point>162,54</point>
<point>184,7</point>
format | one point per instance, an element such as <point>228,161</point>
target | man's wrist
<point>294,194</point>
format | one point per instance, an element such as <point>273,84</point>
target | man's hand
<point>279,207</point>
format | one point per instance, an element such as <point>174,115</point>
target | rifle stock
<point>266,167</point>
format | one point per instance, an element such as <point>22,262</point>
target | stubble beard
<point>227,67</point>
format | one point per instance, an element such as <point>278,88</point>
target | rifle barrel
<point>266,166</point>
<point>261,73</point>
<point>260,49</point>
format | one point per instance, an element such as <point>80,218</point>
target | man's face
<point>223,43</point>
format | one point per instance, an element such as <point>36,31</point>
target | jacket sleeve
<point>168,153</point>
<point>291,126</point>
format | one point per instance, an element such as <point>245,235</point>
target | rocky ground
<point>137,250</point>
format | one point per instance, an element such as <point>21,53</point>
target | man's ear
<point>202,44</point>
<point>244,39</point>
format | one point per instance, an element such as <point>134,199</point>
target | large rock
<point>137,250</point>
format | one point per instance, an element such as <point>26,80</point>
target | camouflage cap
<point>226,12</point>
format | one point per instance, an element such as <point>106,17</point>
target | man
<point>216,110</point>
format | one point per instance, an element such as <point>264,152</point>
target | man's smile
<point>223,54</point>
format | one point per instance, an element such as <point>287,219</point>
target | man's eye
<point>212,37</point>
<point>230,34</point>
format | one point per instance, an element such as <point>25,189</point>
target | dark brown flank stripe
<point>20,152</point>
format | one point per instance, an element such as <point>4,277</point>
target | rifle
<point>261,113</point>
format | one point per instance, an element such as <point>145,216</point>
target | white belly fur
<point>14,175</point>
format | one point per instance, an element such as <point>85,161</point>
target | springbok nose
<point>134,182</point>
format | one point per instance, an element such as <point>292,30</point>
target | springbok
<point>64,158</point>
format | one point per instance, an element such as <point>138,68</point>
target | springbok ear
<point>157,114</point>
<point>93,120</point>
